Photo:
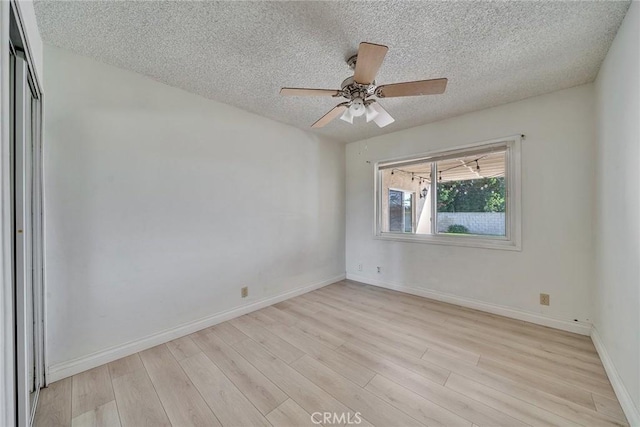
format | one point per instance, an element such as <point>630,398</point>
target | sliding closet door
<point>23,309</point>
<point>28,291</point>
<point>37,252</point>
<point>24,312</point>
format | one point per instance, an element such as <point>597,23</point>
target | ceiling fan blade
<point>370,57</point>
<point>383,118</point>
<point>420,87</point>
<point>337,110</point>
<point>299,91</point>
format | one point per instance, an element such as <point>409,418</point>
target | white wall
<point>161,204</point>
<point>617,290</point>
<point>557,204</point>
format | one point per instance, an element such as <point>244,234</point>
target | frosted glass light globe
<point>357,107</point>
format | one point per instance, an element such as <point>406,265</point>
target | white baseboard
<point>66,369</point>
<point>631,411</point>
<point>581,328</point>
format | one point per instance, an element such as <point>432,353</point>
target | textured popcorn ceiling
<point>241,53</point>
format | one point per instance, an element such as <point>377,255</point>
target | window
<point>468,196</point>
<point>400,211</point>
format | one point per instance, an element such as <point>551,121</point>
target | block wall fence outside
<point>487,223</point>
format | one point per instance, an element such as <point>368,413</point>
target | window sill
<point>466,241</point>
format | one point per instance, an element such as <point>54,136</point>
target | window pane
<point>405,199</point>
<point>408,212</point>
<point>395,211</point>
<point>471,195</point>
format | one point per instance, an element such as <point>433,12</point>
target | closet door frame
<point>22,287</point>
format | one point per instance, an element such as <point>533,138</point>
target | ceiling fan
<point>362,86</point>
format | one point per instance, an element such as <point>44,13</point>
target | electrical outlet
<point>244,292</point>
<point>359,267</point>
<point>544,299</point>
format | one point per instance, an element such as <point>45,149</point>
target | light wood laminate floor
<point>378,356</point>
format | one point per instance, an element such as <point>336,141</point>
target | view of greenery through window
<point>472,206</point>
<point>473,195</point>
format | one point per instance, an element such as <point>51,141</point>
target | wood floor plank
<point>456,324</point>
<point>341,299</point>
<point>530,355</point>
<point>376,329</point>
<point>299,305</point>
<point>138,402</point>
<point>460,405</point>
<point>406,317</point>
<point>54,405</point>
<point>427,369</point>
<point>512,406</point>
<point>402,322</point>
<point>515,374</point>
<point>502,355</point>
<point>276,345</point>
<point>276,317</point>
<point>582,382</point>
<point>380,331</point>
<point>610,407</point>
<point>451,351</point>
<point>357,373</point>
<point>306,394</point>
<point>393,307</point>
<point>539,393</point>
<point>90,390</point>
<point>361,302</point>
<point>374,409</point>
<point>290,414</point>
<point>263,393</point>
<point>181,400</point>
<point>498,347</point>
<point>183,347</point>
<point>229,333</point>
<point>319,334</point>
<point>280,316</point>
<point>125,366</point>
<point>482,319</point>
<point>354,327</point>
<point>229,405</point>
<point>263,318</point>
<point>103,416</point>
<point>413,404</point>
<point>538,346</point>
<point>321,322</point>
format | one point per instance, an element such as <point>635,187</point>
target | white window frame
<point>513,209</point>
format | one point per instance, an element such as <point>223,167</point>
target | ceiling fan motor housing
<point>352,90</point>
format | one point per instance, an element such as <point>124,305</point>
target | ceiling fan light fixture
<point>371,112</point>
<point>383,118</point>
<point>357,107</point>
<point>347,116</point>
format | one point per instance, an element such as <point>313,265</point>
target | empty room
<point>319,213</point>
